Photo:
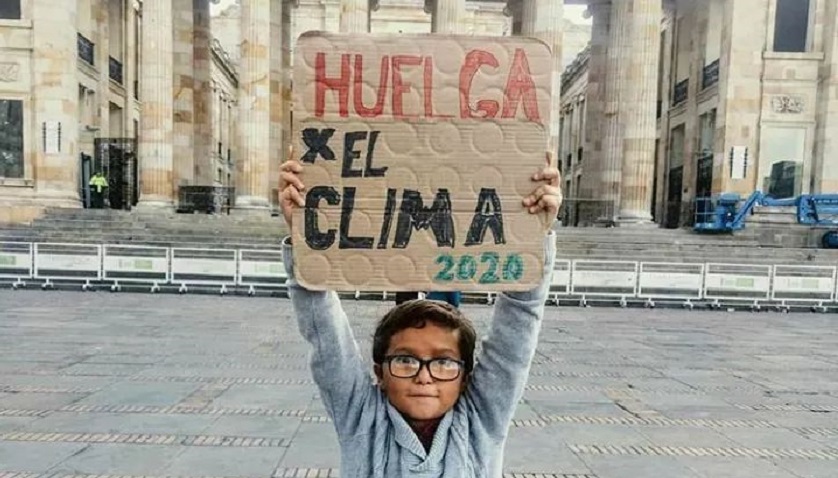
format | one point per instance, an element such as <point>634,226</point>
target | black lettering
<point>318,143</point>
<point>317,240</point>
<point>388,218</point>
<point>347,206</point>
<point>487,214</point>
<point>413,215</point>
<point>350,154</point>
<point>369,171</point>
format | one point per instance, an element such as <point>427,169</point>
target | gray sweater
<point>375,440</point>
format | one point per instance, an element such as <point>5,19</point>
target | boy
<point>434,411</point>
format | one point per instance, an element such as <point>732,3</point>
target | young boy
<point>434,411</point>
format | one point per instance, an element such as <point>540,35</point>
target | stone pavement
<point>198,386</point>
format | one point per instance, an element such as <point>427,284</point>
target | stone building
<point>71,104</point>
<point>481,17</point>
<point>140,90</point>
<point>746,101</point>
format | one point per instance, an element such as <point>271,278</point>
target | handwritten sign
<point>417,152</point>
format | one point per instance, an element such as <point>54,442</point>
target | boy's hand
<point>291,188</point>
<point>546,198</point>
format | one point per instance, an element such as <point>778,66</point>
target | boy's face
<point>422,397</point>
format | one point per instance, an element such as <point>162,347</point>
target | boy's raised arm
<point>336,363</point>
<point>503,365</point>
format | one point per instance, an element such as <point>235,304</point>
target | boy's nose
<point>424,375</point>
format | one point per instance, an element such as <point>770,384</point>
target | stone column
<point>287,72</point>
<point>826,110</point>
<point>254,126</point>
<point>544,19</point>
<point>447,16</point>
<point>156,126</point>
<point>640,125</point>
<point>612,133</point>
<point>595,100</point>
<point>55,103</point>
<point>354,16</point>
<point>202,94</point>
<point>103,61</point>
<point>184,93</point>
<point>129,72</point>
<point>277,102</point>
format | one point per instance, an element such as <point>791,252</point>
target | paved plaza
<point>205,386</point>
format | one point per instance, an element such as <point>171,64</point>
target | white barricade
<point>604,278</point>
<point>16,261</point>
<point>666,280</point>
<point>204,267</point>
<point>803,284</point>
<point>560,282</point>
<point>261,269</point>
<point>139,264</point>
<point>737,282</point>
<point>81,262</point>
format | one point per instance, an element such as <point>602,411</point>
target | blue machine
<point>726,215</point>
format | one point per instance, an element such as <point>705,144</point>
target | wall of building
<point>726,93</point>
<point>225,100</point>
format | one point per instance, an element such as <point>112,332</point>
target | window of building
<point>10,9</point>
<point>791,25</point>
<point>782,155</point>
<point>11,138</point>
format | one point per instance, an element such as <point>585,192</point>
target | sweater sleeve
<point>336,363</point>
<point>502,368</point>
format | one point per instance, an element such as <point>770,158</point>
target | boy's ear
<point>465,382</point>
<point>378,372</point>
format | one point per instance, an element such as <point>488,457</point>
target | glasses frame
<point>424,364</point>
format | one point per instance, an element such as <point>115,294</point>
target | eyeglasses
<point>408,366</point>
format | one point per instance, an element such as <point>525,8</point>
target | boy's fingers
<point>293,166</point>
<point>550,175</point>
<point>534,197</point>
<point>293,180</point>
<point>294,196</point>
<point>541,193</point>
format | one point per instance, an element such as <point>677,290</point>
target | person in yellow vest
<point>98,183</point>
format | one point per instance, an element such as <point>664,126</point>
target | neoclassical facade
<point>745,98</point>
<point>140,89</point>
<point>72,77</point>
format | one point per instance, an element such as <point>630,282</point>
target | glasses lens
<point>404,366</point>
<point>445,369</point>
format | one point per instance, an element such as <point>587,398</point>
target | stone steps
<point>246,232</point>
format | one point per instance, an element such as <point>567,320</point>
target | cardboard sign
<point>417,153</point>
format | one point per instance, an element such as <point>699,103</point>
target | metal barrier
<point>560,282</point>
<point>604,279</point>
<point>806,284</point>
<point>16,262</point>
<point>137,264</point>
<point>203,267</point>
<point>737,282</point>
<point>782,285</point>
<point>76,262</point>
<point>261,269</point>
<point>664,280</point>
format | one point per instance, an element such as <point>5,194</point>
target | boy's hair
<point>417,313</point>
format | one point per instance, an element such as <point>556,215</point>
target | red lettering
<point>358,88</point>
<point>474,60</point>
<point>520,86</point>
<point>429,90</point>
<point>400,87</point>
<point>323,84</point>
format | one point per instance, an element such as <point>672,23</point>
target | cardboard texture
<point>417,153</point>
